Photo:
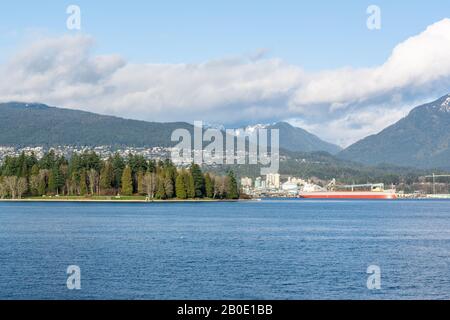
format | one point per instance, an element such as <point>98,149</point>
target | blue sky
<point>315,34</point>
<point>314,64</point>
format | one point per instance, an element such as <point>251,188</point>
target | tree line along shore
<point>87,176</point>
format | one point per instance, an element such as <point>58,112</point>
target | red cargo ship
<point>349,195</point>
<point>356,191</point>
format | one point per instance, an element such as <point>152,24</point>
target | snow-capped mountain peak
<point>253,128</point>
<point>445,106</point>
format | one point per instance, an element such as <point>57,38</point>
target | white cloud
<point>341,105</point>
<point>365,122</point>
<point>413,65</point>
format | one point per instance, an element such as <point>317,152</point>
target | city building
<point>297,181</point>
<point>263,185</point>
<point>273,180</point>
<point>289,187</point>
<point>246,182</point>
<point>258,183</point>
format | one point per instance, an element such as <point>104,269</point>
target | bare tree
<point>43,179</point>
<point>93,180</point>
<point>3,190</point>
<point>11,184</point>
<point>150,184</point>
<point>34,184</point>
<point>71,186</point>
<point>219,187</point>
<point>64,169</point>
<point>21,187</point>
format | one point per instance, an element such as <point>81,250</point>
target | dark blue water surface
<point>287,249</point>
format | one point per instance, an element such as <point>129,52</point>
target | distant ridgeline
<point>422,140</point>
<point>86,175</point>
<point>23,124</point>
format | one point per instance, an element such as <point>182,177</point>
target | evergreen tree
<point>168,187</point>
<point>170,170</point>
<point>160,191</point>
<point>106,177</point>
<point>59,179</point>
<point>34,180</point>
<point>189,183</point>
<point>191,186</point>
<point>209,186</point>
<point>118,165</point>
<point>22,165</point>
<point>232,189</point>
<point>180,187</point>
<point>63,178</point>
<point>48,161</point>
<point>127,182</point>
<point>75,169</point>
<point>151,166</point>
<point>52,185</point>
<point>199,181</point>
<point>83,184</point>
<point>90,160</point>
<point>137,163</point>
<point>56,180</point>
<point>9,167</point>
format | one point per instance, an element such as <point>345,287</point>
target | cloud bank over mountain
<point>340,105</point>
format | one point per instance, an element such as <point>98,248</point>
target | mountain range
<point>26,124</point>
<point>31,124</point>
<point>421,139</point>
<point>23,124</point>
<point>297,139</point>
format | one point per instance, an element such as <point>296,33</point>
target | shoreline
<point>131,201</point>
<point>122,201</point>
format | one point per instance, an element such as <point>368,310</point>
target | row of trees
<point>87,174</point>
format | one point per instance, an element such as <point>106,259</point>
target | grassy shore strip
<point>104,199</point>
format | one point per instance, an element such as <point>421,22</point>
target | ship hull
<point>349,195</point>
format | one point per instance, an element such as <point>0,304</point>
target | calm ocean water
<point>287,249</point>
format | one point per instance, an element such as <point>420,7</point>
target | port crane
<point>434,176</point>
